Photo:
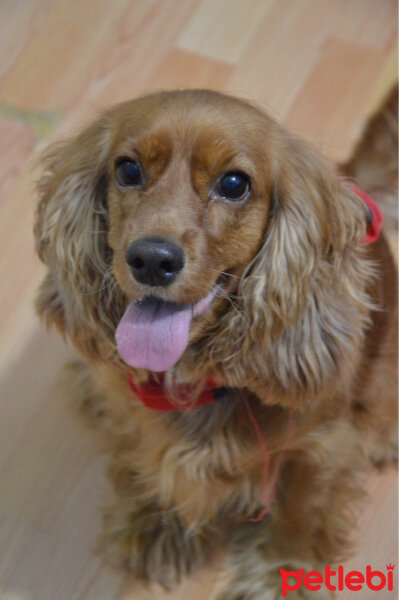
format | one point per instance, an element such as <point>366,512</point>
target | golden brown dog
<point>186,233</point>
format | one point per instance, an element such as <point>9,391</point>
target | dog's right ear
<point>71,238</point>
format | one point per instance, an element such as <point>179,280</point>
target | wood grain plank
<point>120,73</point>
<point>20,20</point>
<point>329,107</point>
<point>17,142</point>
<point>223,29</point>
<point>36,565</point>
<point>282,53</point>
<point>136,47</point>
<point>387,78</point>
<point>176,72</point>
<point>366,22</point>
<point>22,270</point>
<point>52,481</point>
<point>63,61</point>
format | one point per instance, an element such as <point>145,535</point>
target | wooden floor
<point>320,66</point>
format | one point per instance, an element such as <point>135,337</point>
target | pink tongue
<point>153,334</point>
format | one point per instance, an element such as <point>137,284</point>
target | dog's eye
<point>128,172</point>
<point>233,186</point>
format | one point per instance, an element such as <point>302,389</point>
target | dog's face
<point>194,183</point>
<point>188,202</point>
<point>178,211</point>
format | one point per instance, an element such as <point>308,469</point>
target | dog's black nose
<point>155,260</point>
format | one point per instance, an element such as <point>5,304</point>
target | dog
<point>235,301</point>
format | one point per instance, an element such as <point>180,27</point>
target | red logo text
<point>337,580</point>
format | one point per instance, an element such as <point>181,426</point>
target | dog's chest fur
<point>208,463</point>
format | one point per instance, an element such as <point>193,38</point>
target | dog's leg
<point>150,541</point>
<point>307,528</point>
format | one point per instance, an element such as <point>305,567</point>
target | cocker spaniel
<point>235,301</point>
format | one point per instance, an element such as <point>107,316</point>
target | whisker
<point>225,273</point>
<point>232,294</point>
<point>105,284</point>
<point>231,302</point>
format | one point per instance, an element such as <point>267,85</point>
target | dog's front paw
<point>155,546</point>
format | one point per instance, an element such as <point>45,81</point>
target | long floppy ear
<point>305,299</point>
<point>71,239</point>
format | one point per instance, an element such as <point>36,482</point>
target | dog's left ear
<point>305,299</point>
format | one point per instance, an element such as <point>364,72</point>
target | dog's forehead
<point>203,126</point>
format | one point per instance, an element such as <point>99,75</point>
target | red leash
<point>269,484</point>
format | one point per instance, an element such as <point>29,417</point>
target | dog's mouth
<point>154,333</point>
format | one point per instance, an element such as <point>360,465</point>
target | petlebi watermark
<point>338,579</point>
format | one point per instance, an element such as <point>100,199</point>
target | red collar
<point>374,217</point>
<point>152,394</point>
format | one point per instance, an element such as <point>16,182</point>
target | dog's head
<point>190,227</point>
